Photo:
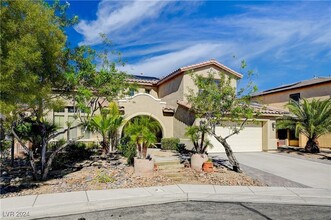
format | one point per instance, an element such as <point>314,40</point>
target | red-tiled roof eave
<point>259,111</point>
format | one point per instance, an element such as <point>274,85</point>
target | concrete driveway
<point>305,172</point>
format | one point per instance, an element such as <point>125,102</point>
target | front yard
<point>96,173</point>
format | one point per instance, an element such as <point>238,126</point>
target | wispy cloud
<point>156,37</point>
<point>114,16</point>
<point>166,63</point>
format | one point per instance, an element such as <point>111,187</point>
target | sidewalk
<point>47,205</point>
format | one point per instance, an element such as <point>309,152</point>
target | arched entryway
<point>158,134</point>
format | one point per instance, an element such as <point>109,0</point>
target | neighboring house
<point>165,101</point>
<point>318,88</point>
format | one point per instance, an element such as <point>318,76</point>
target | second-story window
<point>131,92</point>
<point>295,97</point>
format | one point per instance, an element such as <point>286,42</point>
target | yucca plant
<point>310,118</point>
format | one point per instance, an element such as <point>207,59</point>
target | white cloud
<point>154,43</point>
<point>113,16</point>
<point>164,64</point>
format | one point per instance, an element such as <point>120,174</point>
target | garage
<point>248,140</point>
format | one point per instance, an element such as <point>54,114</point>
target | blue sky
<point>282,41</point>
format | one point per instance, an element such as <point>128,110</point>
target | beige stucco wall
<point>204,71</point>
<point>182,119</point>
<point>153,90</point>
<point>172,90</point>
<point>145,104</point>
<point>280,99</point>
<point>269,140</point>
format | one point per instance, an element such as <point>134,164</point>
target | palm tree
<point>197,135</point>
<point>107,124</point>
<point>142,131</point>
<point>116,121</point>
<point>312,119</point>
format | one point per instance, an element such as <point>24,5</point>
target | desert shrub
<point>169,143</point>
<point>103,177</point>
<point>181,148</point>
<point>128,149</point>
<point>5,149</point>
<point>73,153</point>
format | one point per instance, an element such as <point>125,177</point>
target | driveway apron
<point>305,172</point>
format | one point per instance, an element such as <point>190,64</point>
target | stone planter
<point>143,167</point>
<point>197,160</point>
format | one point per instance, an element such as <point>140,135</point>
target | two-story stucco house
<point>318,88</point>
<point>165,101</point>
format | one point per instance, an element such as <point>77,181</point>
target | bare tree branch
<point>64,131</point>
<point>237,130</point>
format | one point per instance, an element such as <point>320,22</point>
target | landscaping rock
<point>85,178</point>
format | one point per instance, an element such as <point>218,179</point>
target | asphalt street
<point>208,210</point>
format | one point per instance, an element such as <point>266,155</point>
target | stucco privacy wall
<point>324,140</point>
<point>146,104</point>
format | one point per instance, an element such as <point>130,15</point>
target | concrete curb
<point>59,204</point>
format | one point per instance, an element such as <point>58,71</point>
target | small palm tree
<point>107,124</point>
<point>142,131</point>
<point>197,135</point>
<point>116,121</point>
<point>312,119</point>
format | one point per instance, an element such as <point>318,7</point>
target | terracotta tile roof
<point>154,80</point>
<point>262,109</point>
<point>194,66</point>
<point>184,104</point>
<point>143,79</point>
<point>268,110</point>
<point>296,85</point>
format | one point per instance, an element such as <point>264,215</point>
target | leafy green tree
<point>33,60</point>
<point>32,56</point>
<point>310,118</point>
<point>218,103</point>
<point>39,71</point>
<point>142,131</point>
<point>198,136</point>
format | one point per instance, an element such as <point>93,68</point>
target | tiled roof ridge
<point>211,61</point>
<point>156,80</point>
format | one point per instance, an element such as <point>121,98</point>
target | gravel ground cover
<point>111,173</point>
